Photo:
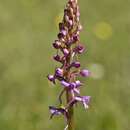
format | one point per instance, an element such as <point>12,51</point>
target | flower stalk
<point>69,47</point>
<point>70,120</point>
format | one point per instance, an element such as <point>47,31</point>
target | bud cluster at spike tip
<point>68,48</point>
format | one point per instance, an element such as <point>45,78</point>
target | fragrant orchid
<point>68,47</point>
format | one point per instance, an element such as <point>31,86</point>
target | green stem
<point>70,120</point>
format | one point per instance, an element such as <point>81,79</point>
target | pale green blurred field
<point>27,30</point>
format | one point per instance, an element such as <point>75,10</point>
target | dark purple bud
<point>75,64</point>
<point>75,38</point>
<point>65,11</point>
<point>59,72</point>
<point>61,26</point>
<point>57,44</point>
<point>51,78</point>
<point>57,58</point>
<point>60,35</point>
<point>79,49</point>
<point>65,84</point>
<point>85,73</point>
<point>65,51</point>
<point>69,42</point>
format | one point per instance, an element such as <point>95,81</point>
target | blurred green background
<point>27,30</point>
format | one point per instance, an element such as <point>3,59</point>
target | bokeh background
<point>27,30</point>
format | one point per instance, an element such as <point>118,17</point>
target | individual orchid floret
<point>85,73</point>
<point>57,111</point>
<point>51,78</point>
<point>65,51</point>
<point>57,58</point>
<point>73,86</point>
<point>75,64</point>
<point>79,49</point>
<point>57,44</point>
<point>83,99</point>
<point>59,72</point>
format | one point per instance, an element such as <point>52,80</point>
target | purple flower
<point>63,32</point>
<point>61,26</point>
<point>79,49</point>
<point>75,64</point>
<point>65,51</point>
<point>59,72</point>
<point>57,44</point>
<point>85,73</point>
<point>51,78</point>
<point>78,83</point>
<point>73,86</point>
<point>83,99</point>
<point>70,22</point>
<point>65,84</point>
<point>57,58</point>
<point>57,111</point>
<point>75,38</point>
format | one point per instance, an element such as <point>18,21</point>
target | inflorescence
<point>68,48</point>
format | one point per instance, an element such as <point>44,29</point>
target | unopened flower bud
<point>85,73</point>
<point>59,72</point>
<point>57,44</point>
<point>76,64</point>
<point>65,51</point>
<point>79,49</point>
<point>57,58</point>
<point>51,78</point>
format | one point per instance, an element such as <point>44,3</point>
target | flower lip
<point>83,99</point>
